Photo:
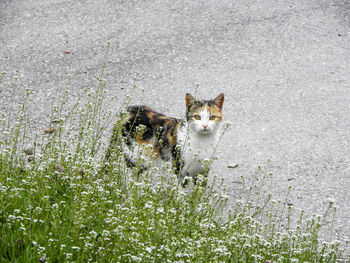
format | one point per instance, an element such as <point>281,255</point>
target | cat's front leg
<point>184,178</point>
<point>202,178</point>
<point>198,177</point>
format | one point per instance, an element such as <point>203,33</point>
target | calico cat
<point>188,143</point>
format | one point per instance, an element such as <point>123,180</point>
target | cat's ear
<point>189,100</point>
<point>219,100</point>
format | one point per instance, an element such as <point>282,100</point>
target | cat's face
<point>205,116</point>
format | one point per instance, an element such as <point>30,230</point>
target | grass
<point>57,206</point>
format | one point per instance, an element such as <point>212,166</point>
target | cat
<point>189,143</point>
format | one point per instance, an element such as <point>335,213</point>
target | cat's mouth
<point>204,131</point>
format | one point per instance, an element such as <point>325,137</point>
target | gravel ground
<point>284,67</point>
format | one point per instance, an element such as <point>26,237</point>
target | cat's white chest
<point>196,150</point>
<point>203,146</point>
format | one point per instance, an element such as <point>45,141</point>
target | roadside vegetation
<point>61,202</point>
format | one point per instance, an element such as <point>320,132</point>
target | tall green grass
<point>56,204</point>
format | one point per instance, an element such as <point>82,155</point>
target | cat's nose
<point>205,126</point>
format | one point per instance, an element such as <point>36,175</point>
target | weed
<point>60,207</point>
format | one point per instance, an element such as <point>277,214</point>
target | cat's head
<point>204,116</point>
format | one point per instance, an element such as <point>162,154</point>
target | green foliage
<point>63,207</point>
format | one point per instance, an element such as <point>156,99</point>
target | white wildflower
<point>134,259</point>
<point>93,233</point>
<point>149,204</point>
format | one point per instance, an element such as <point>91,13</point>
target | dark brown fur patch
<point>146,126</point>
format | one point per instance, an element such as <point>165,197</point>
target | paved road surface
<point>284,67</point>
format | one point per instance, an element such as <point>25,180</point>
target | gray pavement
<point>284,67</point>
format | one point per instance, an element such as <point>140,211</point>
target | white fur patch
<point>197,148</point>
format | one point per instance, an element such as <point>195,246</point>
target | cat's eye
<point>197,117</point>
<point>212,117</point>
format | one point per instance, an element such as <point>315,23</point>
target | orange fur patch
<point>214,110</point>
